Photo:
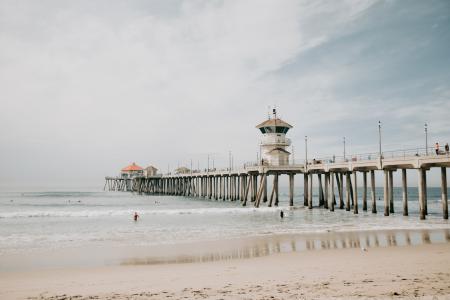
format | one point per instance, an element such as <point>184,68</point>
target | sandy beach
<point>421,271</point>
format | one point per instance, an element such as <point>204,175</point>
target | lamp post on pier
<point>426,138</point>
<point>306,152</point>
<point>344,148</point>
<point>379,138</point>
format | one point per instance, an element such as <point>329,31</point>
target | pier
<point>336,178</point>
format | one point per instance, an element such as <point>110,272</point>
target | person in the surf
<point>136,216</point>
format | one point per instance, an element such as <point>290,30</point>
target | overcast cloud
<point>87,87</point>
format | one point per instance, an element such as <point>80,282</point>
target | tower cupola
<point>274,141</point>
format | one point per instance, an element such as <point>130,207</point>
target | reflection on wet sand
<point>295,243</point>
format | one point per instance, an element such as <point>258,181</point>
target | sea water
<point>64,218</point>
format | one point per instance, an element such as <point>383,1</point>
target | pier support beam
<point>247,188</point>
<point>372,189</point>
<point>444,198</point>
<point>348,192</point>
<point>425,190</point>
<point>276,189</point>
<point>331,198</point>
<point>364,198</point>
<point>351,191</point>
<point>265,189</point>
<point>272,193</point>
<point>291,190</point>
<point>260,191</point>
<point>391,192</point>
<point>255,187</point>
<point>405,192</point>
<point>340,183</point>
<point>386,192</point>
<point>421,187</point>
<point>305,189</point>
<point>321,196</point>
<point>326,193</point>
<point>355,193</point>
<point>310,193</point>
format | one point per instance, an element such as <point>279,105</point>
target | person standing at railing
<point>446,148</point>
<point>436,147</point>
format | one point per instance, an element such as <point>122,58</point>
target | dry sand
<point>391,272</point>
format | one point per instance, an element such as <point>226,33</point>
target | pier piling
<point>355,193</point>
<point>291,189</point>
<point>364,197</point>
<point>405,192</point>
<point>444,198</point>
<point>348,191</point>
<point>421,188</point>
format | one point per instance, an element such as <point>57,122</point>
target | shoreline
<point>103,254</point>
<point>383,272</point>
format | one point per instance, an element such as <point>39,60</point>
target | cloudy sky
<point>87,87</point>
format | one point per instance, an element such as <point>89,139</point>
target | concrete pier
<point>250,183</point>
<point>421,187</point>
<point>321,196</point>
<point>364,198</point>
<point>391,191</point>
<point>305,189</point>
<point>386,192</point>
<point>405,192</point>
<point>331,192</point>
<point>310,192</point>
<point>348,191</point>
<point>291,189</point>
<point>444,198</point>
<point>326,193</point>
<point>355,193</point>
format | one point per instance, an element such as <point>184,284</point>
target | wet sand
<point>393,269</point>
<point>400,272</point>
<point>104,254</point>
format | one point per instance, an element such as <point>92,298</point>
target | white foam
<point>124,212</point>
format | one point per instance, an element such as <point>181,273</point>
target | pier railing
<point>401,154</point>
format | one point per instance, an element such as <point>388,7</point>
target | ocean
<point>47,219</point>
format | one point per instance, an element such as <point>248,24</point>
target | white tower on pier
<point>274,141</point>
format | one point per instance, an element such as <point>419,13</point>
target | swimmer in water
<point>136,216</point>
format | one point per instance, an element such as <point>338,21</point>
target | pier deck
<point>249,183</point>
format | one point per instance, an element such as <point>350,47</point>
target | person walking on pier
<point>436,147</point>
<point>446,148</point>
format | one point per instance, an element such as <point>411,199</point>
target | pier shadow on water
<point>268,245</point>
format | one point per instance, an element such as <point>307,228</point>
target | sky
<point>87,87</point>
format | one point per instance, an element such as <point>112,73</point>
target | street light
<point>426,138</point>
<point>379,137</point>
<point>306,152</point>
<point>344,147</point>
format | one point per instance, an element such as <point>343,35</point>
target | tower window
<point>280,129</point>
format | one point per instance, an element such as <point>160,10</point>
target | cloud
<point>94,85</point>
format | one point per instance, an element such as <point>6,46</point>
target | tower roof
<point>274,122</point>
<point>132,167</point>
<point>279,150</point>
